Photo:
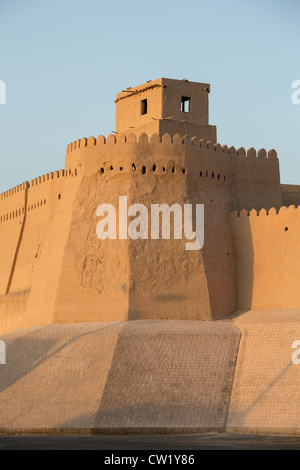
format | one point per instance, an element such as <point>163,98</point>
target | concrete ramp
<point>141,376</point>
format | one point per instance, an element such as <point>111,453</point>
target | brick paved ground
<point>266,392</point>
<point>141,375</point>
<point>147,376</point>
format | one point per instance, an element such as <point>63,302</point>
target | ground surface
<point>148,376</point>
<point>142,377</point>
<point>155,442</point>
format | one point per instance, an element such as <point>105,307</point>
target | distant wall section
<point>290,194</point>
<point>257,179</point>
<point>268,257</point>
<point>29,217</point>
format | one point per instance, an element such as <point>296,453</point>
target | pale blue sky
<point>63,62</point>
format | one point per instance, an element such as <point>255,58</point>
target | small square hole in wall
<point>144,107</point>
<point>185,104</point>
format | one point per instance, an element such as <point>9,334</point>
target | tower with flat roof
<point>166,106</point>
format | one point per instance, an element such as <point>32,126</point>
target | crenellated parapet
<point>55,175</point>
<point>31,195</point>
<point>13,191</point>
<point>162,156</point>
<point>166,138</point>
<point>283,210</point>
<point>253,175</point>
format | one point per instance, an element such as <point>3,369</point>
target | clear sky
<point>63,61</point>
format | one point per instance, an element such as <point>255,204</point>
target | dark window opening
<point>143,170</point>
<point>154,167</point>
<point>133,167</point>
<point>185,104</point>
<point>286,229</point>
<point>59,196</point>
<point>144,107</point>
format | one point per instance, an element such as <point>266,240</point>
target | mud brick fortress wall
<point>54,269</point>
<point>74,362</point>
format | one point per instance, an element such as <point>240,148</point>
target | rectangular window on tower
<point>185,104</point>
<point>144,107</point>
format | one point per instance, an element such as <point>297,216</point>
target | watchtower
<point>165,106</point>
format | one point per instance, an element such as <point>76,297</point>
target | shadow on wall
<point>245,260</point>
<point>220,264</point>
<point>30,351</point>
<point>33,349</point>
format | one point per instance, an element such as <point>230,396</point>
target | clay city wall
<point>56,269</point>
<point>165,169</point>
<point>267,247</point>
<point>172,274</point>
<point>290,194</point>
<point>28,217</point>
<point>25,212</point>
